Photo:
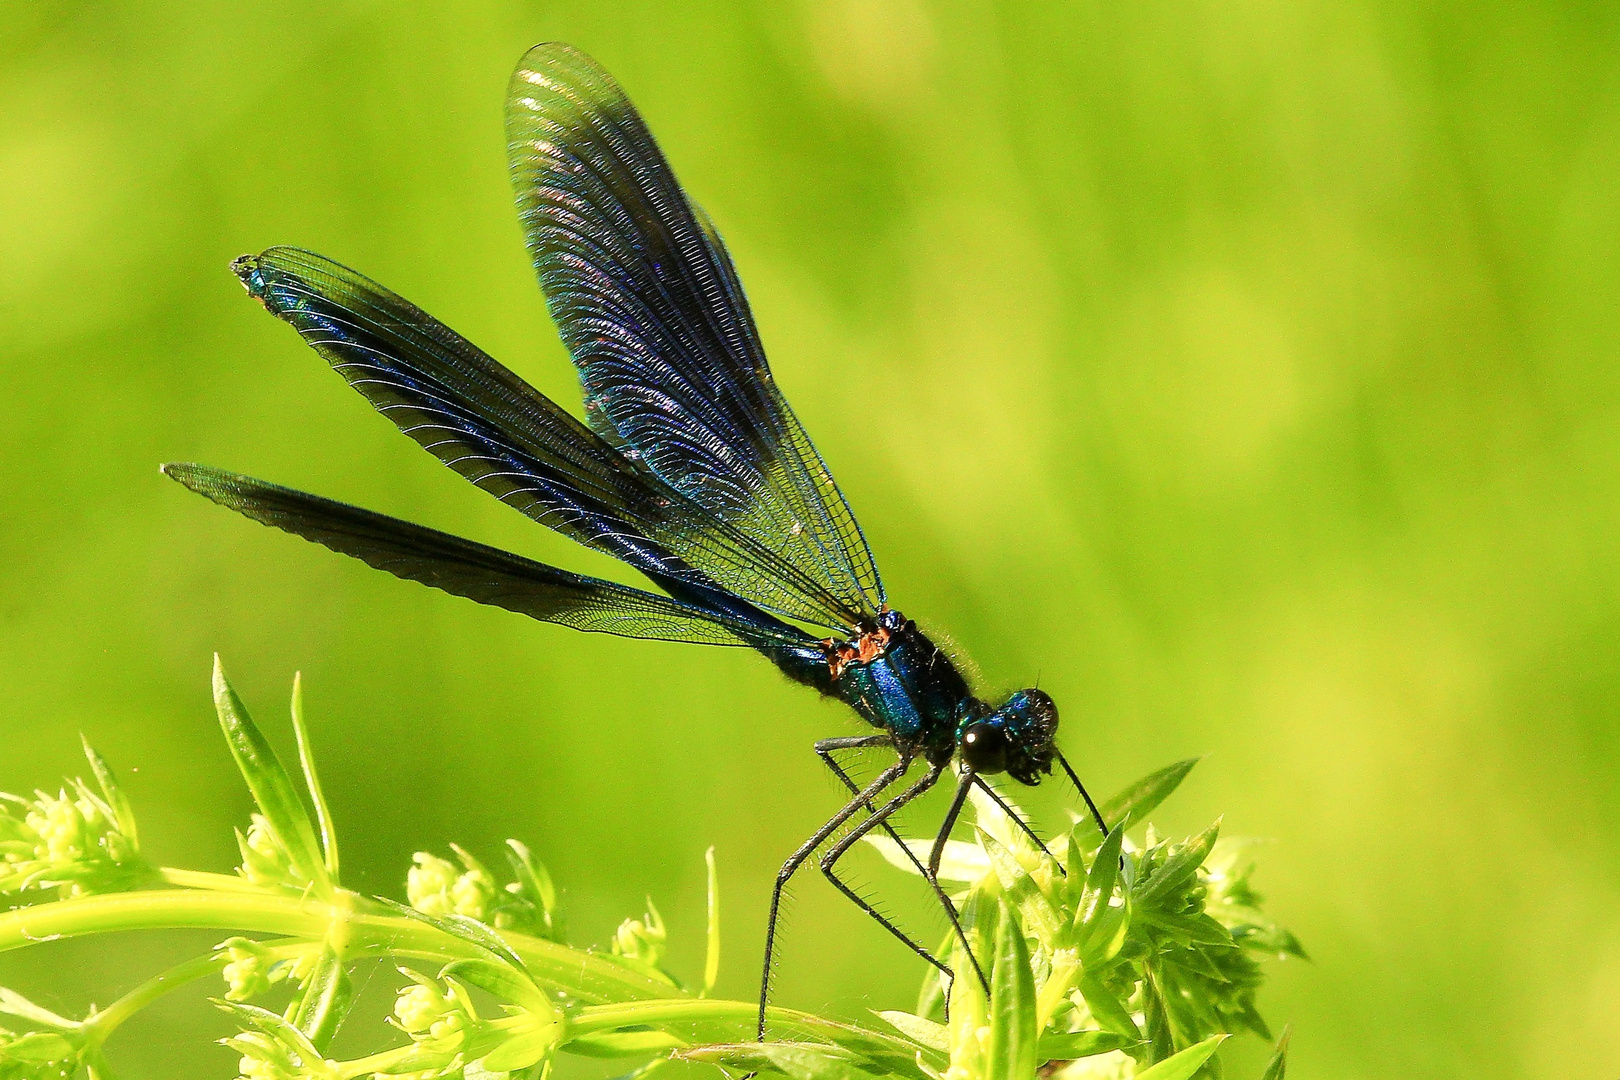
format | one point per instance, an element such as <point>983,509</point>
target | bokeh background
<point>1246,373</point>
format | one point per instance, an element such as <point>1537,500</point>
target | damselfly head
<point>1015,739</point>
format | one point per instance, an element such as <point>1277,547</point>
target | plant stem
<point>105,1022</point>
<point>201,879</point>
<point>587,978</point>
<point>710,1020</point>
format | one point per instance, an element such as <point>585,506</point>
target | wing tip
<point>552,62</point>
<point>545,51</point>
<point>205,480</point>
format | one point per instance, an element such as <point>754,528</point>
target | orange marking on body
<point>869,646</point>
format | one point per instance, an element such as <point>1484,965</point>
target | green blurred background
<point>1244,372</point>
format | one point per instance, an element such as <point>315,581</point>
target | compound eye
<point>984,748</point>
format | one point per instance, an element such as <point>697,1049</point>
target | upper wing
<point>645,297</point>
<point>518,445</point>
<point>476,571</point>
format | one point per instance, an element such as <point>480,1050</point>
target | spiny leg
<point>879,816</point>
<point>930,874</point>
<point>934,856</point>
<point>861,800</point>
<point>1007,808</point>
<point>1096,814</point>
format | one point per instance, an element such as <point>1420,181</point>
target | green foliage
<point>1107,959</point>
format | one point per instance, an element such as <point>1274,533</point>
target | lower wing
<point>477,571</point>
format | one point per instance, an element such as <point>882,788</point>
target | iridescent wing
<point>513,442</point>
<point>475,571</point>
<point>645,297</point>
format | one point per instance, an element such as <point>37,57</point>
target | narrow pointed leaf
<point>711,951</point>
<point>1100,880</point>
<point>276,1027</point>
<point>272,788</point>
<point>1137,801</point>
<point>920,1031</point>
<point>800,1061</point>
<point>1074,882</point>
<point>320,1009</point>
<point>1178,870</point>
<point>613,1044</point>
<point>1039,916</point>
<point>117,801</point>
<point>459,926</point>
<point>1013,1036</point>
<point>1070,1046</point>
<point>1107,1009</point>
<point>960,861</point>
<point>1107,936</point>
<point>312,780</point>
<point>1277,1067</point>
<point>14,1004</point>
<point>505,982</point>
<point>535,886</point>
<point>1183,1065</point>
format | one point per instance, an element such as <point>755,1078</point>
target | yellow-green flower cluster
<point>434,886</point>
<point>448,1035</point>
<point>72,840</point>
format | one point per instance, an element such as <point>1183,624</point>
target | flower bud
<point>247,970</point>
<point>264,861</point>
<point>434,887</point>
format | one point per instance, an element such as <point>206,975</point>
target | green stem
<point>105,1022</point>
<point>201,879</point>
<point>614,996</point>
<point>700,1021</point>
<point>587,978</point>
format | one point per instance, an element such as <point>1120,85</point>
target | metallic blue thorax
<point>911,689</point>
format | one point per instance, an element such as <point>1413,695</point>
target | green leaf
<point>960,861</point>
<point>1039,916</point>
<point>459,926</point>
<point>14,1004</point>
<point>918,1030</point>
<point>321,1007</point>
<point>801,1061</point>
<point>276,1027</point>
<point>1103,927</point>
<point>1071,1045</point>
<point>931,995</point>
<point>1074,883</point>
<point>1277,1067</point>
<point>711,951</point>
<point>1099,883</point>
<point>1141,798</point>
<point>272,788</point>
<point>1258,933</point>
<point>523,1050</point>
<point>613,1044</point>
<point>1107,1009</point>
<point>117,801</point>
<point>1179,870</point>
<point>502,980</point>
<point>1189,929</point>
<point>1183,1065</point>
<point>535,886</point>
<point>36,1048</point>
<point>1108,937</point>
<point>1011,1052</point>
<point>312,780</point>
